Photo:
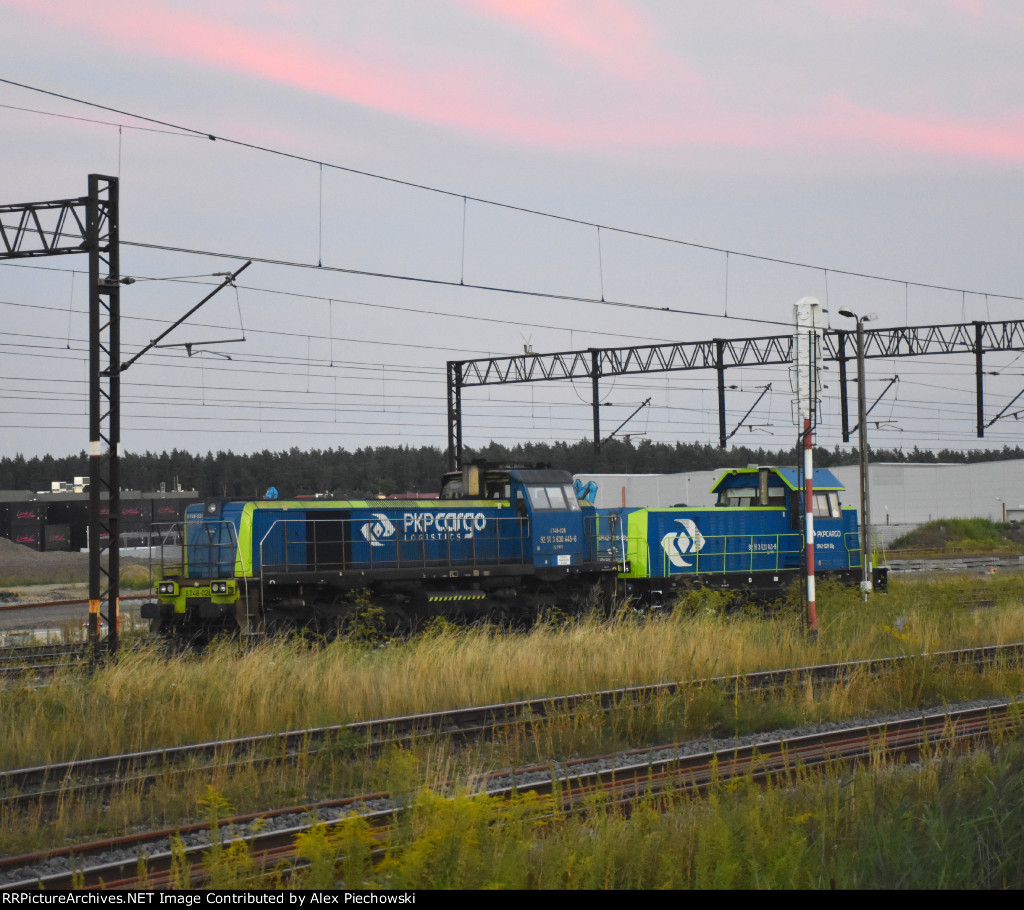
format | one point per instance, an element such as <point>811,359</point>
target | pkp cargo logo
<point>443,525</point>
<point>677,544</point>
<point>377,531</point>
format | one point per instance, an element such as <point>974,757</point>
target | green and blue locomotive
<point>507,544</point>
<point>751,540</point>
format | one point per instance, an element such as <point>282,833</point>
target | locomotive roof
<point>824,479</point>
<point>541,475</point>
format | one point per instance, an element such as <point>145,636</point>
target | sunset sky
<point>879,138</point>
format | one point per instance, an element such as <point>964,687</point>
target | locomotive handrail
<point>180,531</point>
<point>854,550</point>
<point>725,559</point>
<point>397,548</point>
<point>608,547</point>
<point>776,549</point>
<point>164,531</point>
<point>263,593</point>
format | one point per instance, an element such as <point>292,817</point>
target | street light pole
<point>862,435</point>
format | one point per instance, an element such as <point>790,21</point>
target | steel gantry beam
<point>43,228</point>
<point>721,354</point>
<point>89,224</point>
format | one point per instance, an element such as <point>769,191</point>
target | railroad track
<point>42,659</point>
<point>45,788</point>
<point>621,779</point>
<point>43,604</point>
<point>940,563</point>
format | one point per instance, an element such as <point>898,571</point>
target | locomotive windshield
<point>548,497</point>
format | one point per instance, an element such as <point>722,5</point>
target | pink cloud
<point>633,94</point>
<point>845,120</point>
<point>462,93</point>
<point>605,34</point>
<point>456,95</point>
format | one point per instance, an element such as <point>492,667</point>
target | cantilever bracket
<point>230,279</point>
<point>764,392</point>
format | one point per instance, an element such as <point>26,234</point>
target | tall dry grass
<point>142,700</point>
<point>953,822</point>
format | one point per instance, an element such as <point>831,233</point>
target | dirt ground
<point>20,566</point>
<point>28,576</point>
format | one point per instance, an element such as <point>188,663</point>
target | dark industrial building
<point>60,520</point>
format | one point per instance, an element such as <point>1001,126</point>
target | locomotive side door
<point>555,526</point>
<point>328,538</point>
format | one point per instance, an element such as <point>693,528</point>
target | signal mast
<point>809,319</point>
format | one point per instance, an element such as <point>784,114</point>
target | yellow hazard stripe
<point>435,597</point>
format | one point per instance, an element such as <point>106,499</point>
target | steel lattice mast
<point>89,224</point>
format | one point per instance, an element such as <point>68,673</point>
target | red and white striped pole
<point>807,315</point>
<point>812,613</point>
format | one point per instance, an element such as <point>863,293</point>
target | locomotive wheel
<point>278,623</point>
<point>396,619</point>
<point>335,618</point>
<point>544,606</point>
<point>500,616</point>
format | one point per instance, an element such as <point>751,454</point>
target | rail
<point>52,786</point>
<point>159,858</point>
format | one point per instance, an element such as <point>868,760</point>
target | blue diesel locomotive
<point>508,544</point>
<point>751,540</point>
<point>500,543</point>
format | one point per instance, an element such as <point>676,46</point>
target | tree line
<point>387,470</point>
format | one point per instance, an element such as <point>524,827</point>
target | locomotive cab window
<point>749,497</point>
<point>552,498</point>
<point>738,497</point>
<point>498,488</point>
<point>826,505</point>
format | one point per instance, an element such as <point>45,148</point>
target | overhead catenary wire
<point>429,375</point>
<point>309,361</point>
<point>442,282</point>
<point>458,194</point>
<point>947,368</point>
<point>471,317</point>
<point>965,417</point>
